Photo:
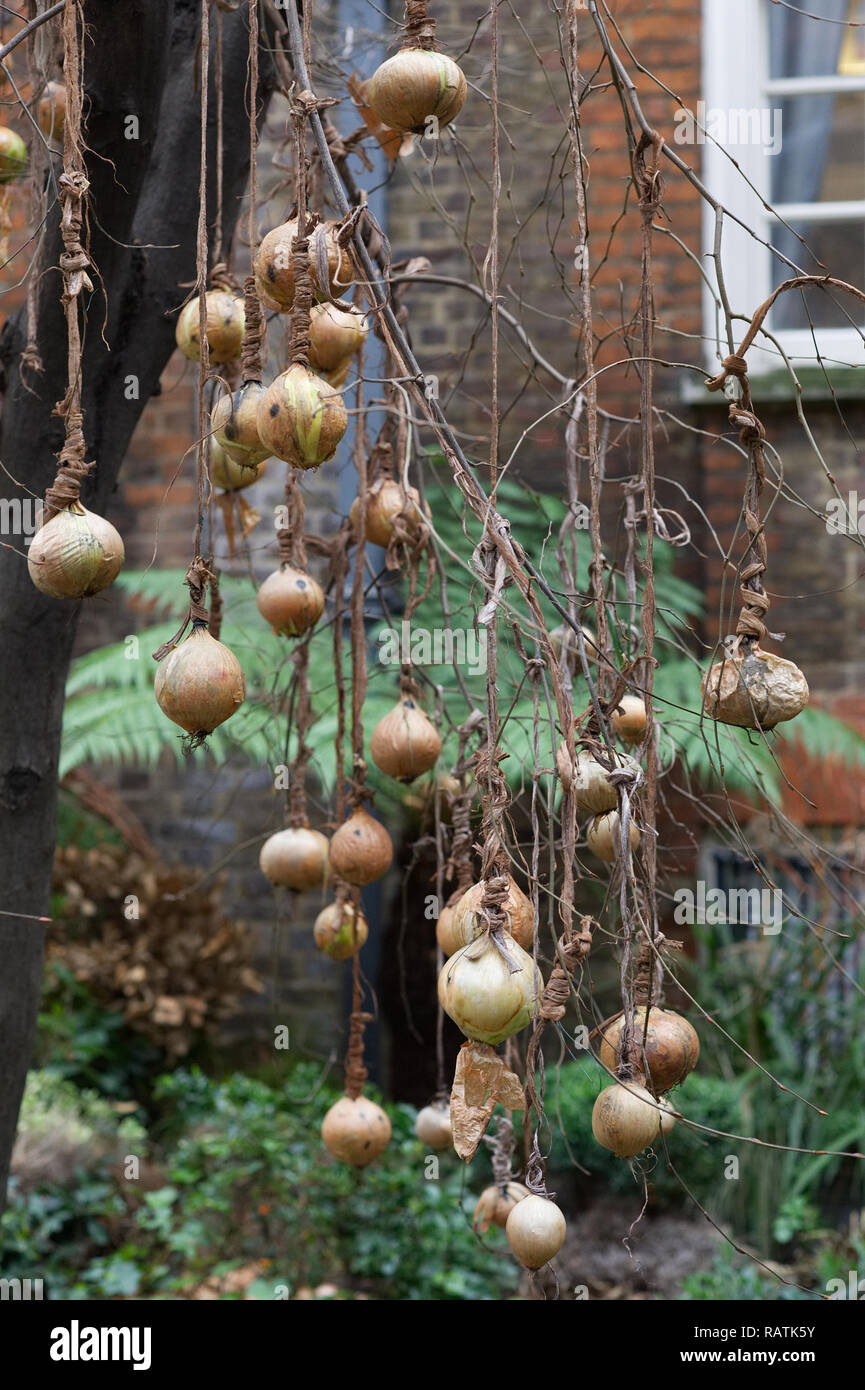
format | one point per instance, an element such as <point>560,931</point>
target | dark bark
<point>141,60</point>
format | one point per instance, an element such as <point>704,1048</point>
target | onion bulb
<point>495,1205</point>
<point>629,719</point>
<point>334,931</point>
<point>433,1126</point>
<point>413,85</point>
<point>13,155</point>
<point>386,501</point>
<point>536,1231</point>
<point>300,418</point>
<point>51,112</point>
<point>594,793</point>
<point>274,269</point>
<point>75,554</point>
<point>485,1000</point>
<point>225,323</point>
<point>233,421</point>
<point>200,683</point>
<point>604,836</point>
<point>754,689</point>
<point>361,850</point>
<point>295,858</point>
<point>356,1131</point>
<point>563,641</point>
<point>666,1118</point>
<point>335,335</point>
<point>227,474</point>
<point>291,601</point>
<point>464,925</point>
<point>625,1119</point>
<point>671,1047</point>
<point>405,743</point>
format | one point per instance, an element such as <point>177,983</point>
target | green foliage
<point>732,1277</point>
<point>83,1042</point>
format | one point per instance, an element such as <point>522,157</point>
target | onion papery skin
<point>405,743</point>
<point>274,270</point>
<point>629,719</point>
<point>225,323</point>
<point>51,113</point>
<point>356,1131</point>
<point>300,418</point>
<point>666,1118</point>
<point>433,1126</point>
<point>200,683</point>
<point>75,554</point>
<point>385,502</point>
<point>413,85</point>
<point>536,1231</point>
<point>335,335</point>
<point>495,1205</point>
<point>625,1119</point>
<point>231,476</point>
<point>594,793</point>
<point>464,925</point>
<point>334,931</point>
<point>291,601</point>
<point>563,641</point>
<point>361,851</point>
<point>296,857</point>
<point>13,155</point>
<point>234,426</point>
<point>672,1047</point>
<point>754,690</point>
<point>604,837</point>
<point>483,998</point>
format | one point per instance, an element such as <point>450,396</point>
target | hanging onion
<point>604,836</point>
<point>274,269</point>
<point>356,1131</point>
<point>625,1119</point>
<point>225,324</point>
<point>629,719</point>
<point>433,1126</point>
<point>51,112</point>
<point>300,418</point>
<point>386,501</point>
<point>564,643</point>
<point>594,793</point>
<point>536,1231</point>
<point>495,1205</point>
<point>335,335</point>
<point>227,474</point>
<point>13,155</point>
<point>296,857</point>
<point>754,689</point>
<point>666,1118</point>
<point>200,683</point>
<point>478,991</point>
<point>75,554</point>
<point>334,931</point>
<point>671,1047</point>
<point>463,924</point>
<point>361,850</point>
<point>233,422</point>
<point>414,85</point>
<point>291,601</point>
<point>405,743</point>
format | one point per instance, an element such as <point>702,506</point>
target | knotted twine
<point>419,31</point>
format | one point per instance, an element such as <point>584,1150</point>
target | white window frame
<point>735,76</point>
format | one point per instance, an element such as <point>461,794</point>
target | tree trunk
<point>141,59</point>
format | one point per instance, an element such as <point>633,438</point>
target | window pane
<point>841,248</point>
<point>821,149</point>
<point>800,46</point>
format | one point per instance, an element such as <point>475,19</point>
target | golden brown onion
<point>227,474</point>
<point>672,1048</point>
<point>300,418</point>
<point>335,335</point>
<point>754,689</point>
<point>464,925</point>
<point>200,683</point>
<point>274,271</point>
<point>334,931</point>
<point>387,501</point>
<point>413,85</point>
<point>604,836</point>
<point>495,1205</point>
<point>629,719</point>
<point>13,155</point>
<point>405,743</point>
<point>235,431</point>
<point>291,601</point>
<point>225,322</point>
<point>536,1231</point>
<point>625,1119</point>
<point>356,1131</point>
<point>433,1126</point>
<point>485,1000</point>
<point>361,851</point>
<point>51,113</point>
